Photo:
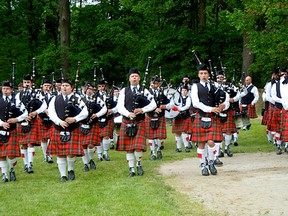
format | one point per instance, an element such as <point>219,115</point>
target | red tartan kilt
<point>11,148</point>
<point>72,147</point>
<point>107,131</point>
<point>274,123</point>
<point>252,111</point>
<point>267,115</point>
<point>180,125</point>
<point>284,126</point>
<point>92,138</point>
<point>31,137</point>
<point>160,132</point>
<point>126,143</point>
<point>200,134</point>
<point>43,132</point>
<point>229,126</point>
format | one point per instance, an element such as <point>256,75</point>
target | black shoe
<point>12,175</point>
<point>161,147</point>
<point>235,143</point>
<point>63,179</point>
<point>190,146</point>
<point>221,154</point>
<point>229,152</point>
<point>86,168</point>
<point>112,146</point>
<point>187,149</point>
<point>100,159</point>
<point>279,151</point>
<point>196,145</point>
<point>140,171</point>
<point>4,178</point>
<point>49,159</point>
<point>205,171</point>
<point>248,127</point>
<point>131,172</point>
<point>92,165</point>
<point>159,155</point>
<point>106,157</point>
<point>30,168</point>
<point>26,168</point>
<point>71,175</point>
<point>212,168</point>
<point>178,150</point>
<point>217,162</point>
<point>153,157</point>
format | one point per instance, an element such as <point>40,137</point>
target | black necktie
<point>134,90</point>
<point>206,86</point>
<point>66,99</point>
<point>7,99</point>
<point>89,98</point>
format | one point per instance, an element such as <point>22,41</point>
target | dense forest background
<point>249,36</point>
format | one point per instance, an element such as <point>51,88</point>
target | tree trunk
<point>64,24</point>
<point>247,57</point>
<point>202,15</point>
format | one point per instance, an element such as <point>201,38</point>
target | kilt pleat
<point>32,137</point>
<point>275,120</point>
<point>181,125</point>
<point>93,137</point>
<point>284,126</point>
<point>107,131</point>
<point>11,148</point>
<point>229,126</point>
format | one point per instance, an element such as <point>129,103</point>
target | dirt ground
<point>247,184</point>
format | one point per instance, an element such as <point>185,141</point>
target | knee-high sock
<point>152,146</point>
<point>71,162</point>
<point>235,137</point>
<point>228,139</point>
<point>217,148</point>
<point>61,162</point>
<point>44,147</point>
<point>138,156</point>
<point>201,156</point>
<point>24,155</point>
<point>91,153</point>
<point>273,134</point>
<point>99,150</point>
<point>85,157</point>
<point>178,142</point>
<point>130,160</point>
<point>159,144</point>
<point>185,139</point>
<point>12,162</point>
<point>31,153</point>
<point>106,143</point>
<point>4,167</point>
<point>269,135</point>
<point>211,153</point>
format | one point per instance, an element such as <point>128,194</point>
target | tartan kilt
<point>229,125</point>
<point>107,131</point>
<point>180,125</point>
<point>92,138</point>
<point>275,120</point>
<point>32,137</point>
<point>72,147</point>
<point>43,132</point>
<point>126,143</point>
<point>284,126</point>
<point>200,134</point>
<point>11,148</point>
<point>267,115</point>
<point>252,111</point>
<point>160,132</point>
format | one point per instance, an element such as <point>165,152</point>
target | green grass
<point>108,191</point>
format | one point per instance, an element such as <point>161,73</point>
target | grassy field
<point>108,191</point>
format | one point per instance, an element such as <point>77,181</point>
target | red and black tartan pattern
<point>267,115</point>
<point>126,143</point>
<point>31,137</point>
<point>11,148</point>
<point>229,125</point>
<point>59,148</point>
<point>160,132</point>
<point>92,138</point>
<point>275,120</point>
<point>284,126</point>
<point>43,132</point>
<point>107,131</point>
<point>252,111</point>
<point>200,134</point>
<point>181,125</point>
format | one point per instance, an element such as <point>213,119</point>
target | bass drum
<point>174,96</point>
